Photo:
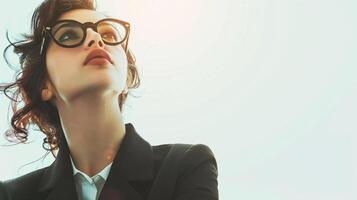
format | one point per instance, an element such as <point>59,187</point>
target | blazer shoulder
<point>195,155</point>
<point>25,184</point>
<point>188,155</point>
<point>188,171</point>
<point>197,175</point>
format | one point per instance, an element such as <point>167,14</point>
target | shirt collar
<point>104,173</point>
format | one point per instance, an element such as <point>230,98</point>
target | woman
<point>76,74</point>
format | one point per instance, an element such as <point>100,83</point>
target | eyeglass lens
<point>71,33</point>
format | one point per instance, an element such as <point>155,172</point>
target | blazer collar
<point>133,162</point>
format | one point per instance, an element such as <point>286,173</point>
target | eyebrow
<point>68,24</point>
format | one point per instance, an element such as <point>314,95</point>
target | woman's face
<point>69,74</point>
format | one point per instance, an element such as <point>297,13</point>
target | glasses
<point>71,33</point>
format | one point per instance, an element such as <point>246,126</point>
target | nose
<point>93,39</point>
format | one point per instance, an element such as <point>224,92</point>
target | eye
<point>68,35</point>
<point>110,36</point>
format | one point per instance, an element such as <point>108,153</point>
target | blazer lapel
<point>57,181</point>
<point>133,162</point>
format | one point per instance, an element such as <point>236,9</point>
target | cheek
<point>120,74</point>
<point>61,60</point>
<point>61,70</point>
<point>120,59</point>
<point>120,62</point>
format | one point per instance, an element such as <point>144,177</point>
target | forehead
<point>82,15</point>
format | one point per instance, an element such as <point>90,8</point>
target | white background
<point>269,86</point>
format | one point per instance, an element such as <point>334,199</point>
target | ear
<point>47,92</point>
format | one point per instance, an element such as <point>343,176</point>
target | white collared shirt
<point>89,188</point>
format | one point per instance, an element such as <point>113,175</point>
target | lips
<point>97,53</point>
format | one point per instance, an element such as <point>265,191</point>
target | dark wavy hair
<point>30,79</point>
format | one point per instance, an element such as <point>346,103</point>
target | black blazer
<point>139,172</point>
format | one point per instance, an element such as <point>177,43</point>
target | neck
<point>94,129</point>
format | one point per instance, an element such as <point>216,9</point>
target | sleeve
<point>198,174</point>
